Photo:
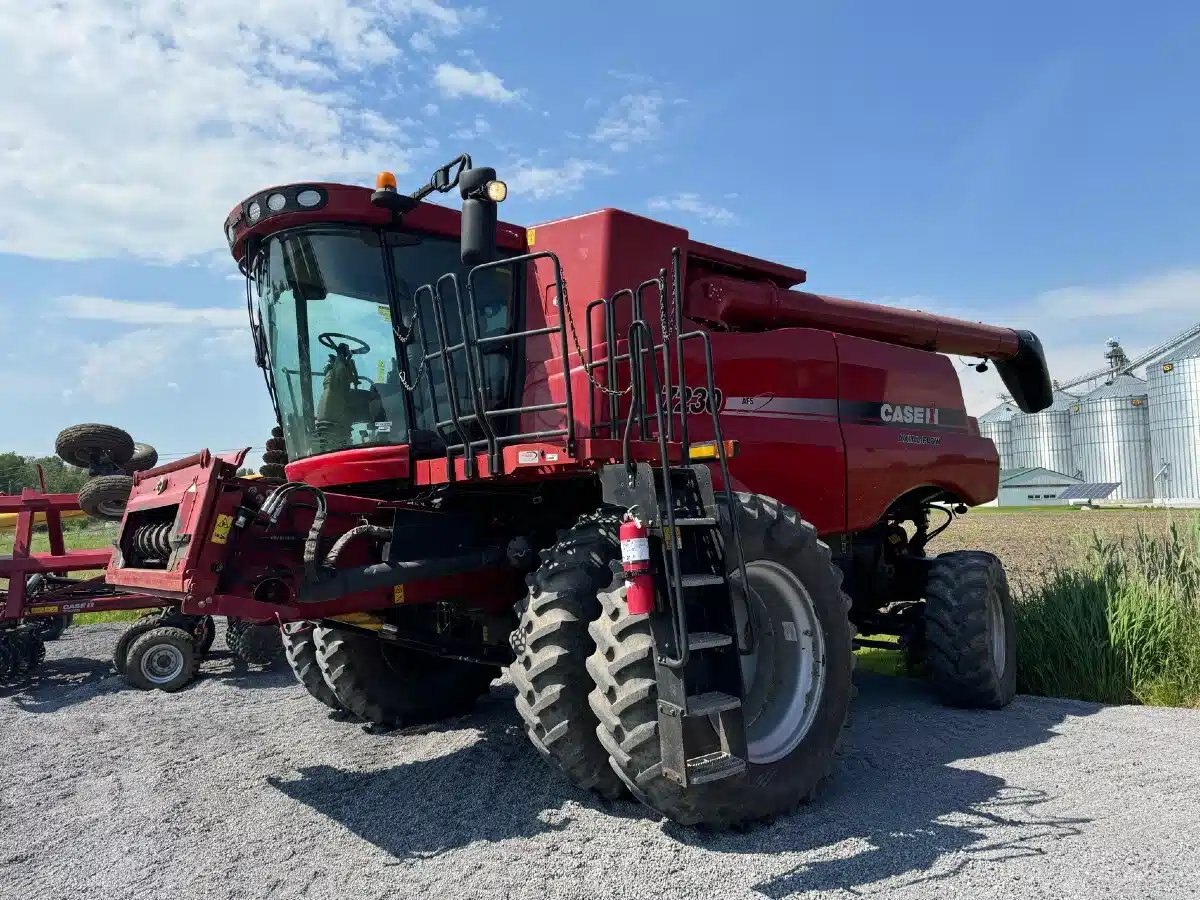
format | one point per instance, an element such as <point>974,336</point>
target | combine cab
<point>663,500</point>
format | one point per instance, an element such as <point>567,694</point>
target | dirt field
<point>1031,541</point>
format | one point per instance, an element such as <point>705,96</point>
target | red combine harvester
<point>664,501</point>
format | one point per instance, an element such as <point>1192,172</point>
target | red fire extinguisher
<point>635,561</point>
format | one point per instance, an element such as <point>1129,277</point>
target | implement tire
<point>300,647</point>
<point>91,443</point>
<point>163,658</point>
<point>144,457</point>
<point>105,497</point>
<point>129,635</point>
<point>970,632</point>
<point>552,644</point>
<point>391,686</point>
<point>255,644</point>
<point>798,685</point>
<point>51,628</point>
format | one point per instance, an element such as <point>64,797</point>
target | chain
<point>405,340</point>
<point>587,366</point>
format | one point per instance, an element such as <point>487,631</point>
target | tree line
<point>17,472</point>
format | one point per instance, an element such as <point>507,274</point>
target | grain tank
<point>1044,438</point>
<point>996,424</point>
<point>1110,437</point>
<point>1174,388</point>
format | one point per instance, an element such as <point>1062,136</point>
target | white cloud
<point>430,109</point>
<point>421,42</point>
<point>1173,291</point>
<point>109,370</point>
<point>455,81</point>
<point>476,129</point>
<point>634,119</point>
<point>540,182</point>
<point>148,121</point>
<point>690,204</point>
<point>132,312</point>
<point>1073,323</point>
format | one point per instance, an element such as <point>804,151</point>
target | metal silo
<point>996,424</point>
<point>1044,439</point>
<point>1175,428</point>
<point>1110,437</point>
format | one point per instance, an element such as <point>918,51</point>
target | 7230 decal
<point>697,400</point>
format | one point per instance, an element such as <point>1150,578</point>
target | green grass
<point>1121,627</point>
<point>120,615</point>
<point>880,661</point>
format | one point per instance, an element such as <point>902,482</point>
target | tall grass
<point>1123,626</point>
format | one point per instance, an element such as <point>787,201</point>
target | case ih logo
<point>910,415</point>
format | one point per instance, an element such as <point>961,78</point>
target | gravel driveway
<point>241,786</point>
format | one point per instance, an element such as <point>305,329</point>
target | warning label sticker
<point>220,532</point>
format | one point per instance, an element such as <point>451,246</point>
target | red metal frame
<point>17,568</point>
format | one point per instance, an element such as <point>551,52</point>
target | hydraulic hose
<point>379,532</point>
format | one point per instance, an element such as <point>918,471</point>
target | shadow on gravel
<point>905,804</point>
<point>59,683</point>
<point>65,681</point>
<point>492,789</point>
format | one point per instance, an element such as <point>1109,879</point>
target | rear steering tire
<point>551,643</point>
<point>970,632</point>
<point>391,686</point>
<point>797,682</point>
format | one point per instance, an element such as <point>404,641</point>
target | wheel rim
<point>162,663</point>
<point>112,508</point>
<point>999,639</point>
<point>784,676</point>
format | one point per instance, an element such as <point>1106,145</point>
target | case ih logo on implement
<point>909,415</point>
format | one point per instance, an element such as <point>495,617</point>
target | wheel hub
<point>998,638</point>
<point>784,675</point>
<point>162,664</point>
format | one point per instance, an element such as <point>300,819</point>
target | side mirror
<point>479,214</point>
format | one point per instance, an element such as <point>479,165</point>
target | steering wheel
<point>358,348</point>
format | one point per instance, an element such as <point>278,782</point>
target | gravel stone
<point>243,786</point>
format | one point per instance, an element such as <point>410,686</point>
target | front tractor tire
<point>552,644</point>
<point>970,631</point>
<point>391,686</point>
<point>797,680</point>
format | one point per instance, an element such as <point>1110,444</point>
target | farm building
<point>1033,486</point>
<point>1131,439</point>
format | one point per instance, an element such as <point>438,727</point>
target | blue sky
<point>1029,164</point>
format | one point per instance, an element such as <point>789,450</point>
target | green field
<point>1107,601</point>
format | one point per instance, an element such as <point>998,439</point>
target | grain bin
<point>1175,428</point>
<point>1044,439</point>
<point>996,424</point>
<point>1110,437</point>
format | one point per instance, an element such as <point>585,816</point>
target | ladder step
<point>697,521</point>
<point>711,702</point>
<point>714,766</point>
<point>702,580</point>
<point>706,640</point>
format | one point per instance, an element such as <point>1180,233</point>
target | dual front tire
<point>797,681</point>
